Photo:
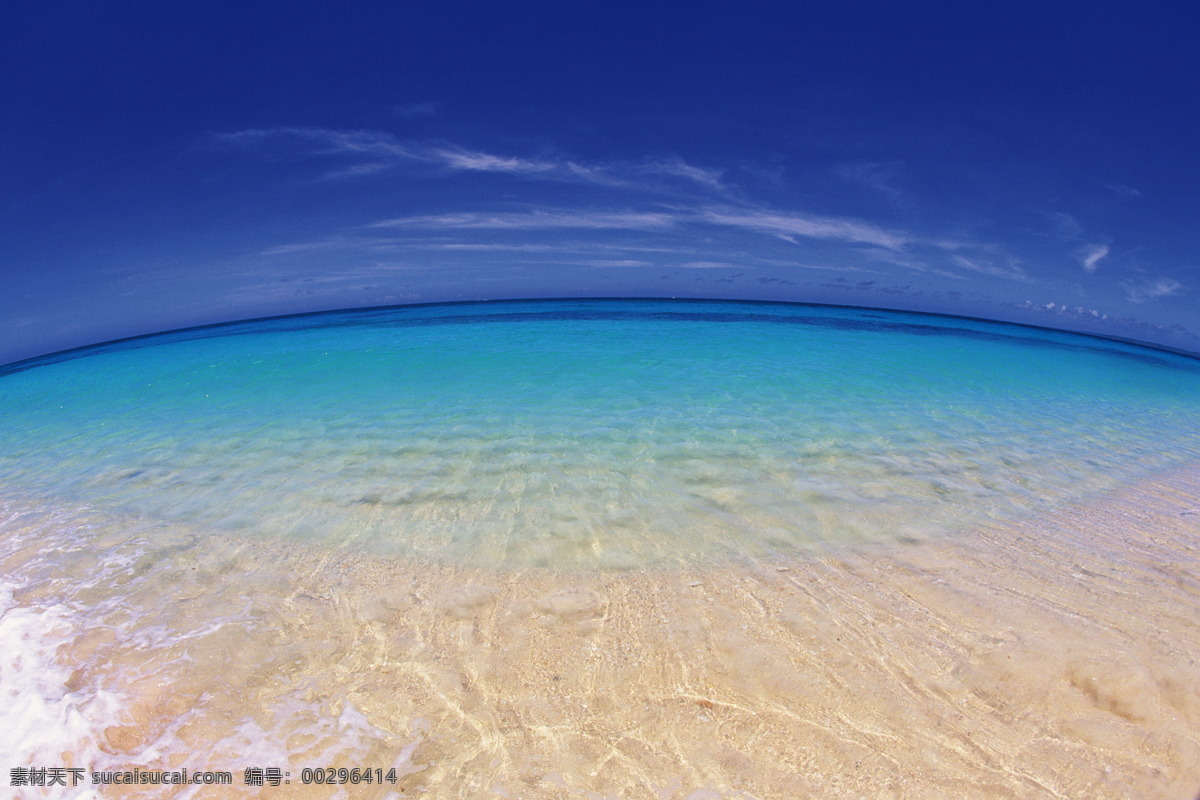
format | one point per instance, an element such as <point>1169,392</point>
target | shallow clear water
<point>608,548</point>
<point>611,434</point>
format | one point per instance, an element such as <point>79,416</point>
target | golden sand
<point>1055,658</point>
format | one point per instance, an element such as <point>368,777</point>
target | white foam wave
<point>43,723</point>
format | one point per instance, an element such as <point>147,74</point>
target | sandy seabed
<point>1053,658</point>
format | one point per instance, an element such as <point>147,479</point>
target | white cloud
<point>370,151</point>
<point>378,150</point>
<point>383,149</point>
<point>535,220</point>
<point>319,141</point>
<point>1063,309</point>
<point>690,187</point>
<point>1064,224</point>
<point>677,167</point>
<point>1090,256</point>
<point>774,262</point>
<point>410,110</point>
<point>332,243</point>
<point>874,175</point>
<point>485,247</point>
<point>1010,270</point>
<point>624,262</point>
<point>473,161</point>
<point>788,225</point>
<point>566,169</point>
<point>1150,290</point>
<point>1127,192</point>
<point>908,262</point>
<point>358,170</point>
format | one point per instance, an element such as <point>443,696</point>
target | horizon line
<point>82,351</point>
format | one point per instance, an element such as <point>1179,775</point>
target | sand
<point>1056,657</point>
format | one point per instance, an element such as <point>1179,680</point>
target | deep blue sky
<point>165,165</point>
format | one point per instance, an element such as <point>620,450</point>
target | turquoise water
<point>611,434</point>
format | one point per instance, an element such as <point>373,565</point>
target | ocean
<point>604,548</point>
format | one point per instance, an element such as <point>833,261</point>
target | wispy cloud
<point>659,203</point>
<point>486,247</point>
<point>1091,255</point>
<point>706,265</point>
<point>486,162</point>
<point>788,226</point>
<point>377,151</point>
<point>677,167</point>
<point>791,225</point>
<point>874,175</point>
<point>615,262</point>
<point>1139,292</point>
<point>1064,224</point>
<point>317,141</point>
<point>824,267</point>
<point>410,110</point>
<point>330,244</point>
<point>1007,267</point>
<point>1127,192</point>
<point>908,262</point>
<point>554,167</point>
<point>535,220</point>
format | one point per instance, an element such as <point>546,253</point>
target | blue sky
<point>165,165</point>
